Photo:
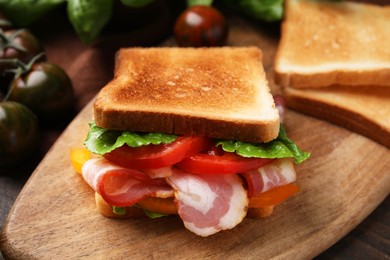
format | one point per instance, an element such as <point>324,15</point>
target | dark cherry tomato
<point>201,25</point>
<point>19,133</point>
<point>20,44</point>
<point>45,88</point>
<point>5,24</point>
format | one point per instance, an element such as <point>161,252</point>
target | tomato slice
<point>274,196</point>
<point>220,163</point>
<point>158,156</point>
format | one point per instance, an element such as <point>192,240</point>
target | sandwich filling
<point>209,183</point>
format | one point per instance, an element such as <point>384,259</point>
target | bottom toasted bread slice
<point>135,212</point>
<point>364,110</point>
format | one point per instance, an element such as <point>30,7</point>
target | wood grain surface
<point>55,216</point>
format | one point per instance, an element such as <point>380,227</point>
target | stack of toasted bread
<point>333,62</point>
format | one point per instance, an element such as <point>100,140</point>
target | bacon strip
<point>208,204</point>
<point>280,104</point>
<point>121,186</point>
<point>159,173</point>
<point>277,173</point>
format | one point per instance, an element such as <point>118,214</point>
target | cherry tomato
<point>46,89</point>
<point>274,196</point>
<point>5,24</point>
<point>158,156</point>
<point>19,133</point>
<point>201,25</point>
<point>19,44</point>
<point>220,163</point>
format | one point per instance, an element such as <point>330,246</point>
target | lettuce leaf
<point>101,141</point>
<point>119,210</point>
<point>152,214</point>
<point>122,211</point>
<point>281,147</point>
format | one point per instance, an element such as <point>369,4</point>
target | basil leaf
<point>88,17</point>
<point>23,12</point>
<point>267,10</point>
<point>136,3</point>
<point>199,2</point>
<point>281,147</point>
<point>100,140</point>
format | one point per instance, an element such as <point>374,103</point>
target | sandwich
<point>193,132</point>
<point>332,63</point>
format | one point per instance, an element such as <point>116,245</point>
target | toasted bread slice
<point>216,92</point>
<point>327,43</point>
<point>365,110</point>
<point>135,212</point>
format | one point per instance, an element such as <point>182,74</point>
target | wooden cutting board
<point>346,177</point>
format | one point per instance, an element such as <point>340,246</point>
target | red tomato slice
<point>220,163</point>
<point>158,156</point>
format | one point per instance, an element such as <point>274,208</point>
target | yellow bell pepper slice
<point>78,157</point>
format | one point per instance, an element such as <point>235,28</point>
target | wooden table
<point>369,240</point>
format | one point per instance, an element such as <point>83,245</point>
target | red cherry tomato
<point>201,25</point>
<point>220,163</point>
<point>158,156</point>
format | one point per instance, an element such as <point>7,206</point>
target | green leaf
<point>100,140</point>
<point>89,17</point>
<point>281,147</point>
<point>119,210</point>
<point>24,12</point>
<point>199,2</point>
<point>152,214</point>
<point>122,211</point>
<point>136,3</point>
<point>267,10</point>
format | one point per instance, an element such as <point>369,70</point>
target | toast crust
<point>364,110</point>
<point>326,43</point>
<point>216,92</point>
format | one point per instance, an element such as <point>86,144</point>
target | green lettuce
<point>281,147</point>
<point>152,214</point>
<point>101,141</point>
<point>119,210</point>
<point>122,211</point>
